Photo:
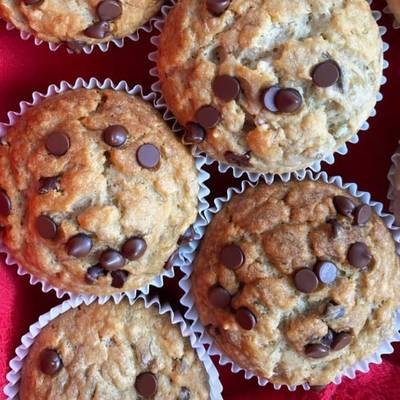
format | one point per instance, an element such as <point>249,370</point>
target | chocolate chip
<point>334,311</point>
<point>76,46</point>
<point>119,278</point>
<point>340,341</point>
<point>187,237</point>
<point>238,159</point>
<point>208,116</point>
<point>343,205</point>
<point>109,10</point>
<point>134,248</point>
<point>245,318</point>
<point>48,184</point>
<point>172,259</point>
<point>79,245</point>
<point>359,255</point>
<point>316,350</point>
<point>326,74</point>
<point>5,204</point>
<point>335,227</point>
<point>217,7</point>
<point>32,2</point>
<point>219,297</point>
<point>328,338</point>
<point>305,280</point>
<point>50,362</point>
<point>148,156</point>
<point>146,384</point>
<point>57,144</point>
<point>46,227</point>
<point>115,135</point>
<point>226,87</point>
<point>184,394</point>
<point>232,256</point>
<point>94,273</point>
<point>288,100</point>
<point>194,134</point>
<point>362,214</point>
<point>269,98</point>
<point>111,260</point>
<point>98,30</point>
<point>326,272</point>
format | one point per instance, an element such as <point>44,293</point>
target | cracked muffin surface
<point>86,21</point>
<point>270,85</point>
<point>95,191</point>
<point>295,282</point>
<point>122,344</point>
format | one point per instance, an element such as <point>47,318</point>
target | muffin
<point>78,23</point>
<point>95,192</point>
<point>394,6</point>
<point>127,352</point>
<point>297,281</point>
<point>270,86</point>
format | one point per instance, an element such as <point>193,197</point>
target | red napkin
<point>25,68</point>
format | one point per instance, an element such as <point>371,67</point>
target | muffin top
<point>297,281</point>
<point>95,191</point>
<point>270,85</point>
<point>394,6</point>
<point>78,22</point>
<point>127,352</point>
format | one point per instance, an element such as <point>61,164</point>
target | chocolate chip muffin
<point>127,352</point>
<point>270,85</point>
<point>95,192</point>
<point>394,6</point>
<point>297,281</point>
<point>78,22</point>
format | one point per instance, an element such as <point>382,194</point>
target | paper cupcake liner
<point>237,171</point>
<point>387,10</point>
<point>192,315</point>
<point>93,83</point>
<point>13,377</point>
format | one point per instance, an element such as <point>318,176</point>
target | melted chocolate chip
<point>98,30</point>
<point>316,350</point>
<point>242,160</point>
<point>146,384</point>
<point>134,248</point>
<point>115,135</point>
<point>288,100</point>
<point>335,227</point>
<point>5,204</point>
<point>226,87</point>
<point>46,227</point>
<point>305,280</point>
<point>94,273</point>
<point>232,256</point>
<point>362,214</point>
<point>340,341</point>
<point>194,134</point>
<point>326,74</point>
<point>112,260</point>
<point>245,318</point>
<point>219,297</point>
<point>79,245</point>
<point>48,184</point>
<point>217,7</point>
<point>208,117</point>
<point>57,144</point>
<point>50,362</point>
<point>109,10</point>
<point>343,205</point>
<point>326,272</point>
<point>148,156</point>
<point>173,258</point>
<point>359,255</point>
<point>119,278</point>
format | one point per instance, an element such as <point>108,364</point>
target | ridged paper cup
<point>188,301</point>
<point>16,364</point>
<point>137,90</point>
<point>237,171</point>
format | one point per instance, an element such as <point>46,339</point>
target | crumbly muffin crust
<point>268,308</point>
<point>104,348</point>
<point>259,44</point>
<point>394,6</point>
<point>66,21</point>
<point>101,192</point>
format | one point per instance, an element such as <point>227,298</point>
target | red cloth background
<point>25,68</point>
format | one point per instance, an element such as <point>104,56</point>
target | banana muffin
<point>78,22</point>
<point>297,281</point>
<point>127,352</point>
<point>95,192</point>
<point>394,6</point>
<point>270,85</point>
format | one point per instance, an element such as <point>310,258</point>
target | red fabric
<point>25,67</point>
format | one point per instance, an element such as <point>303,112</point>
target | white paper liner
<point>13,377</point>
<point>237,171</point>
<point>396,24</point>
<point>193,316</point>
<point>158,281</point>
